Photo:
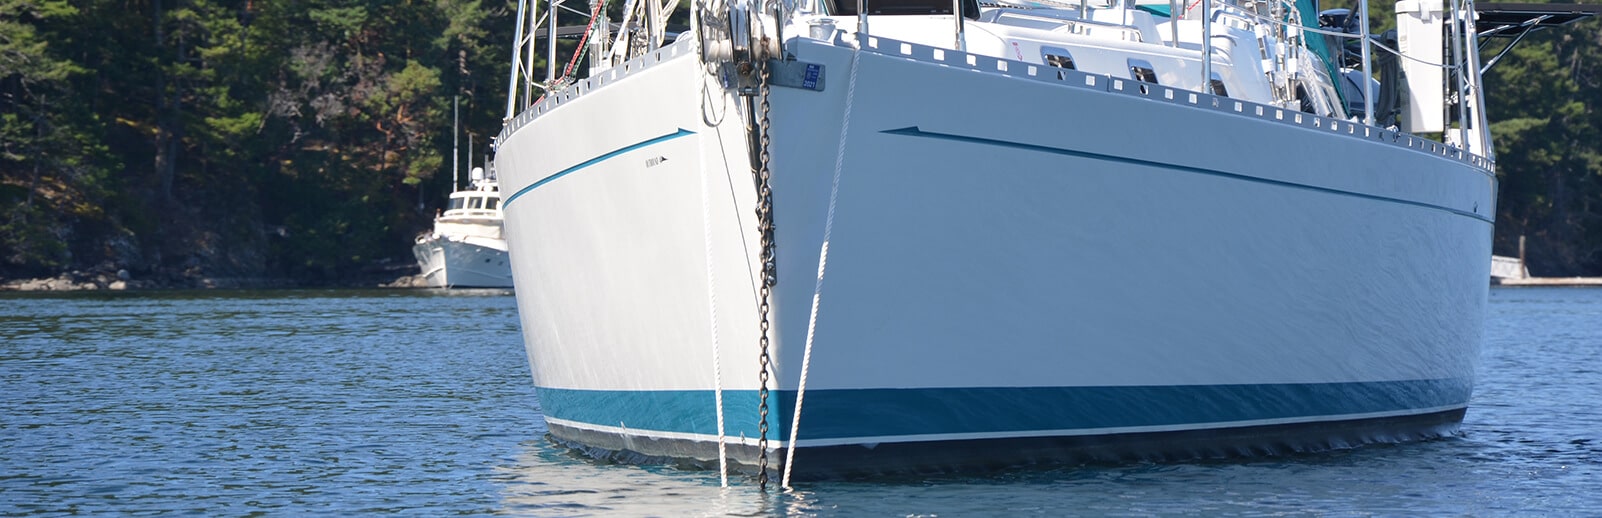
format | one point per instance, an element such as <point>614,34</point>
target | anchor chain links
<point>770,274</point>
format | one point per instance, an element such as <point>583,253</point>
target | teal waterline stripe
<point>914,131</point>
<point>834,414</point>
<point>631,147</point>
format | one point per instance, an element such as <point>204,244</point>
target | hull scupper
<point>982,259</point>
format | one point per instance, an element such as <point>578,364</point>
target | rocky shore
<point>122,280</point>
<point>407,281</point>
<point>79,281</point>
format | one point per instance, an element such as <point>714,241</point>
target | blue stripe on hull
<point>914,131</point>
<point>602,158</point>
<point>838,414</point>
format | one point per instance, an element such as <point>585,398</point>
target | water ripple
<point>338,402</point>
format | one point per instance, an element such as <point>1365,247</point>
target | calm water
<point>343,402</point>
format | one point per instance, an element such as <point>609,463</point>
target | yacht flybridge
<point>839,237</point>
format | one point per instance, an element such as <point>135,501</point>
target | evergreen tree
<point>52,164</point>
<point>1543,102</point>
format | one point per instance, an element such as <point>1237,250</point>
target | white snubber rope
<point>712,305</point>
<point>823,262</point>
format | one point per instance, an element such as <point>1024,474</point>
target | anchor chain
<point>737,49</point>
<point>770,275</point>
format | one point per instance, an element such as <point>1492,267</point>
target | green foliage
<point>1545,102</point>
<point>233,137</point>
<point>344,21</point>
<point>27,238</point>
<point>51,165</point>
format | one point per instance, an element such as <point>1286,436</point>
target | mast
<point>1479,139</point>
<point>550,40</point>
<point>1207,46</point>
<point>456,137</point>
<point>517,51</point>
<point>1368,75</point>
<point>533,24</point>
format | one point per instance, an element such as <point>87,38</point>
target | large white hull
<point>1081,292</point>
<point>470,262</point>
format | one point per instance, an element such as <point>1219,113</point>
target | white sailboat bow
<point>943,235</point>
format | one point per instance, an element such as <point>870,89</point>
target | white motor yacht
<point>466,249</point>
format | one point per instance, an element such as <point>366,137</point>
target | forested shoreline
<point>294,143</point>
<point>262,142</point>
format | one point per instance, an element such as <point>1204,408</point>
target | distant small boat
<point>465,249</point>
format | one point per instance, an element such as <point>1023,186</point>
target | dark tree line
<point>234,138</point>
<point>310,139</point>
<point>1545,104</point>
